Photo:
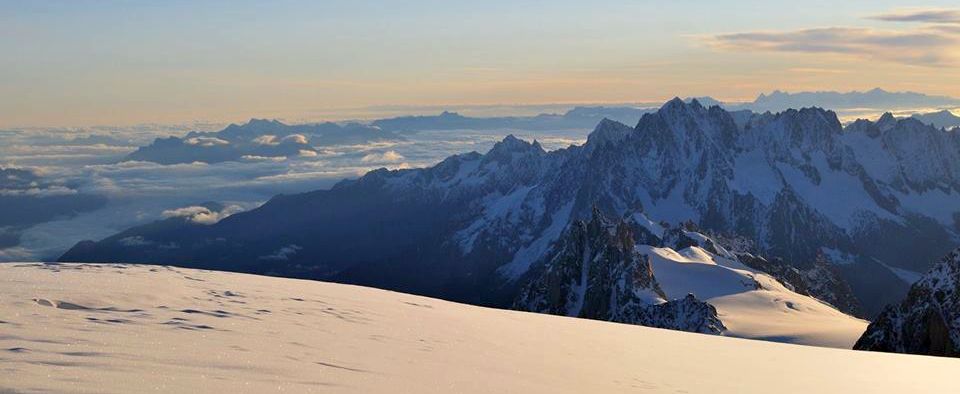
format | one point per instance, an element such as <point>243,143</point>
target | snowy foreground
<point>122,328</point>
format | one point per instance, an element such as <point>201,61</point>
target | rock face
<point>927,321</point>
<point>597,273</point>
<point>685,314</point>
<point>797,184</point>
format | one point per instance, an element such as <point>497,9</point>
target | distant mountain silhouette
<point>874,99</point>
<point>258,138</point>
<point>943,119</point>
<point>577,118</point>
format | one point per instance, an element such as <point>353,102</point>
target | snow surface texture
<point>125,328</point>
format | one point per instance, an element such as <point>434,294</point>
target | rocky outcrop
<point>685,314</point>
<point>927,321</point>
<point>596,273</point>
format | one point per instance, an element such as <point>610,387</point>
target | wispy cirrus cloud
<point>921,15</point>
<point>933,44</point>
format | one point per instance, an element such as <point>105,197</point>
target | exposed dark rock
<point>927,321</point>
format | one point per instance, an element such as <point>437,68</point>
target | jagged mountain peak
<point>608,131</point>
<point>886,121</point>
<point>813,115</point>
<point>810,129</point>
<point>679,114</point>
<point>688,129</point>
<point>676,101</point>
<point>695,103</point>
<point>864,126</point>
<point>511,145</point>
<point>706,101</point>
<point>263,121</point>
<point>944,276</point>
<point>255,127</point>
<point>677,105</point>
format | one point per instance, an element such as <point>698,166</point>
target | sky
<point>81,63</point>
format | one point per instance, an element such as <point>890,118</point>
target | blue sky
<point>105,62</point>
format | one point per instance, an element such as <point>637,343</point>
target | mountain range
<point>848,215</point>
<point>588,116</point>
<point>260,138</point>
<point>584,117</point>
<point>872,99</point>
<point>257,139</point>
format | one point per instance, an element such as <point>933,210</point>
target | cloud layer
<point>934,44</point>
<point>140,192</point>
<point>921,15</point>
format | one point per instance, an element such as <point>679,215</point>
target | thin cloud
<point>206,141</point>
<point>202,215</point>
<point>385,157</point>
<point>283,254</point>
<point>263,158</point>
<point>921,15</point>
<point>266,139</point>
<point>911,47</point>
<point>814,70</point>
<point>297,139</point>
<point>947,29</point>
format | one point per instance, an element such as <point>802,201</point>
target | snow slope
<point>125,328</point>
<point>751,304</point>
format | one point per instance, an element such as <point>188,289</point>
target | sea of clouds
<point>92,161</point>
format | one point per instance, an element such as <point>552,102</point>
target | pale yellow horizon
<point>82,64</point>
